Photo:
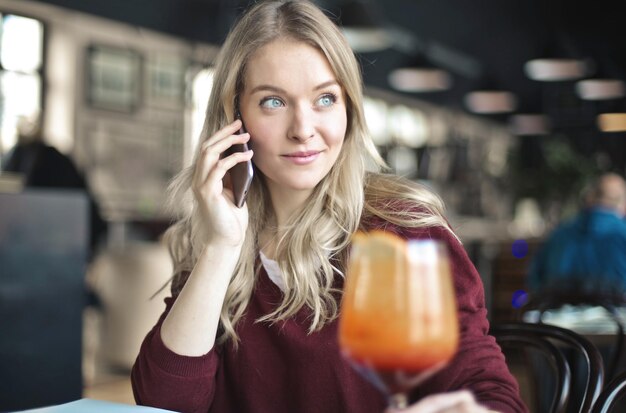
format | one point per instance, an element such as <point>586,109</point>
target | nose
<point>302,126</point>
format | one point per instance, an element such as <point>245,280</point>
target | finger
<point>464,408</point>
<point>458,401</point>
<point>229,141</point>
<point>215,184</point>
<point>210,155</point>
<point>235,158</point>
<point>204,163</point>
<point>451,402</point>
<point>226,131</point>
<point>225,164</point>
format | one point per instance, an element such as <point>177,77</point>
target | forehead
<point>289,63</point>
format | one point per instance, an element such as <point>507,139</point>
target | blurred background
<point>506,108</point>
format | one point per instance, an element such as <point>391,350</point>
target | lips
<point>302,158</point>
<point>302,154</point>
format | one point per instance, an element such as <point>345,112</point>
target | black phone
<point>242,173</point>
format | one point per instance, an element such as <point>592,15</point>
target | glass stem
<point>399,401</point>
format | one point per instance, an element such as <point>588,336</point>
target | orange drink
<point>398,313</point>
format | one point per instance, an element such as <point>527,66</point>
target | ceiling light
<point>367,40</point>
<point>417,79</point>
<point>525,124</point>
<point>553,70</point>
<point>419,74</point>
<point>612,122</point>
<point>362,29</point>
<point>490,101</point>
<point>600,89</point>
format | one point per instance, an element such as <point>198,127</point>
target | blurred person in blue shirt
<point>587,252</point>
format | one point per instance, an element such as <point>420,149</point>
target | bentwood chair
<point>553,343</point>
<point>610,398</point>
<point>509,336</point>
<point>577,294</point>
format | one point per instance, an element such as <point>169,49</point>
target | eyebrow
<point>283,91</point>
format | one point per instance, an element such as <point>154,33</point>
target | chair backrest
<point>576,295</point>
<point>611,395</point>
<point>508,337</point>
<point>553,341</point>
<point>43,256</point>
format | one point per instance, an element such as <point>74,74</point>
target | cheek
<point>263,145</point>
<point>262,135</point>
<point>336,129</point>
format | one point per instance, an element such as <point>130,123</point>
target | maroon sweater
<point>280,368</point>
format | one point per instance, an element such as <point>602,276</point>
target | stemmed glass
<point>398,322</point>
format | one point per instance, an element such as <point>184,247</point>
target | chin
<point>302,185</point>
<point>296,182</point>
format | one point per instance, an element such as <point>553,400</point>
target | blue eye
<point>327,100</point>
<point>271,103</point>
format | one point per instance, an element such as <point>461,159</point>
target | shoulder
<point>377,183</point>
<point>420,223</point>
<point>569,226</point>
<point>394,195</point>
<point>404,207</point>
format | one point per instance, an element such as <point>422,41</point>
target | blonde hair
<point>312,246</point>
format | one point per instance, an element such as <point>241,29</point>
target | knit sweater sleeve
<point>479,364</point>
<point>164,379</point>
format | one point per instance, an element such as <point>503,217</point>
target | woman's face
<point>295,111</point>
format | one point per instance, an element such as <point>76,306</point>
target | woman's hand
<point>455,402</point>
<point>222,222</point>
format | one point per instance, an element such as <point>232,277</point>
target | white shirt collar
<point>273,271</point>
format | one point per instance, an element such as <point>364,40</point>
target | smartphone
<point>240,174</point>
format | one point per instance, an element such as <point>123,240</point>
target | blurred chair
<point>612,394</point>
<point>508,337</point>
<point>126,279</point>
<point>553,343</point>
<point>43,256</point>
<point>591,295</point>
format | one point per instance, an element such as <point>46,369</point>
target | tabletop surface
<point>585,320</point>
<point>95,406</point>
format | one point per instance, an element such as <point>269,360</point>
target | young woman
<point>252,322</point>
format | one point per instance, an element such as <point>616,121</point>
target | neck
<point>285,203</point>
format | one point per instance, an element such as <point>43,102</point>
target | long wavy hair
<point>311,248</point>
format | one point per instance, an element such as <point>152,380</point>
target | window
<point>21,66</point>
<point>201,90</point>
